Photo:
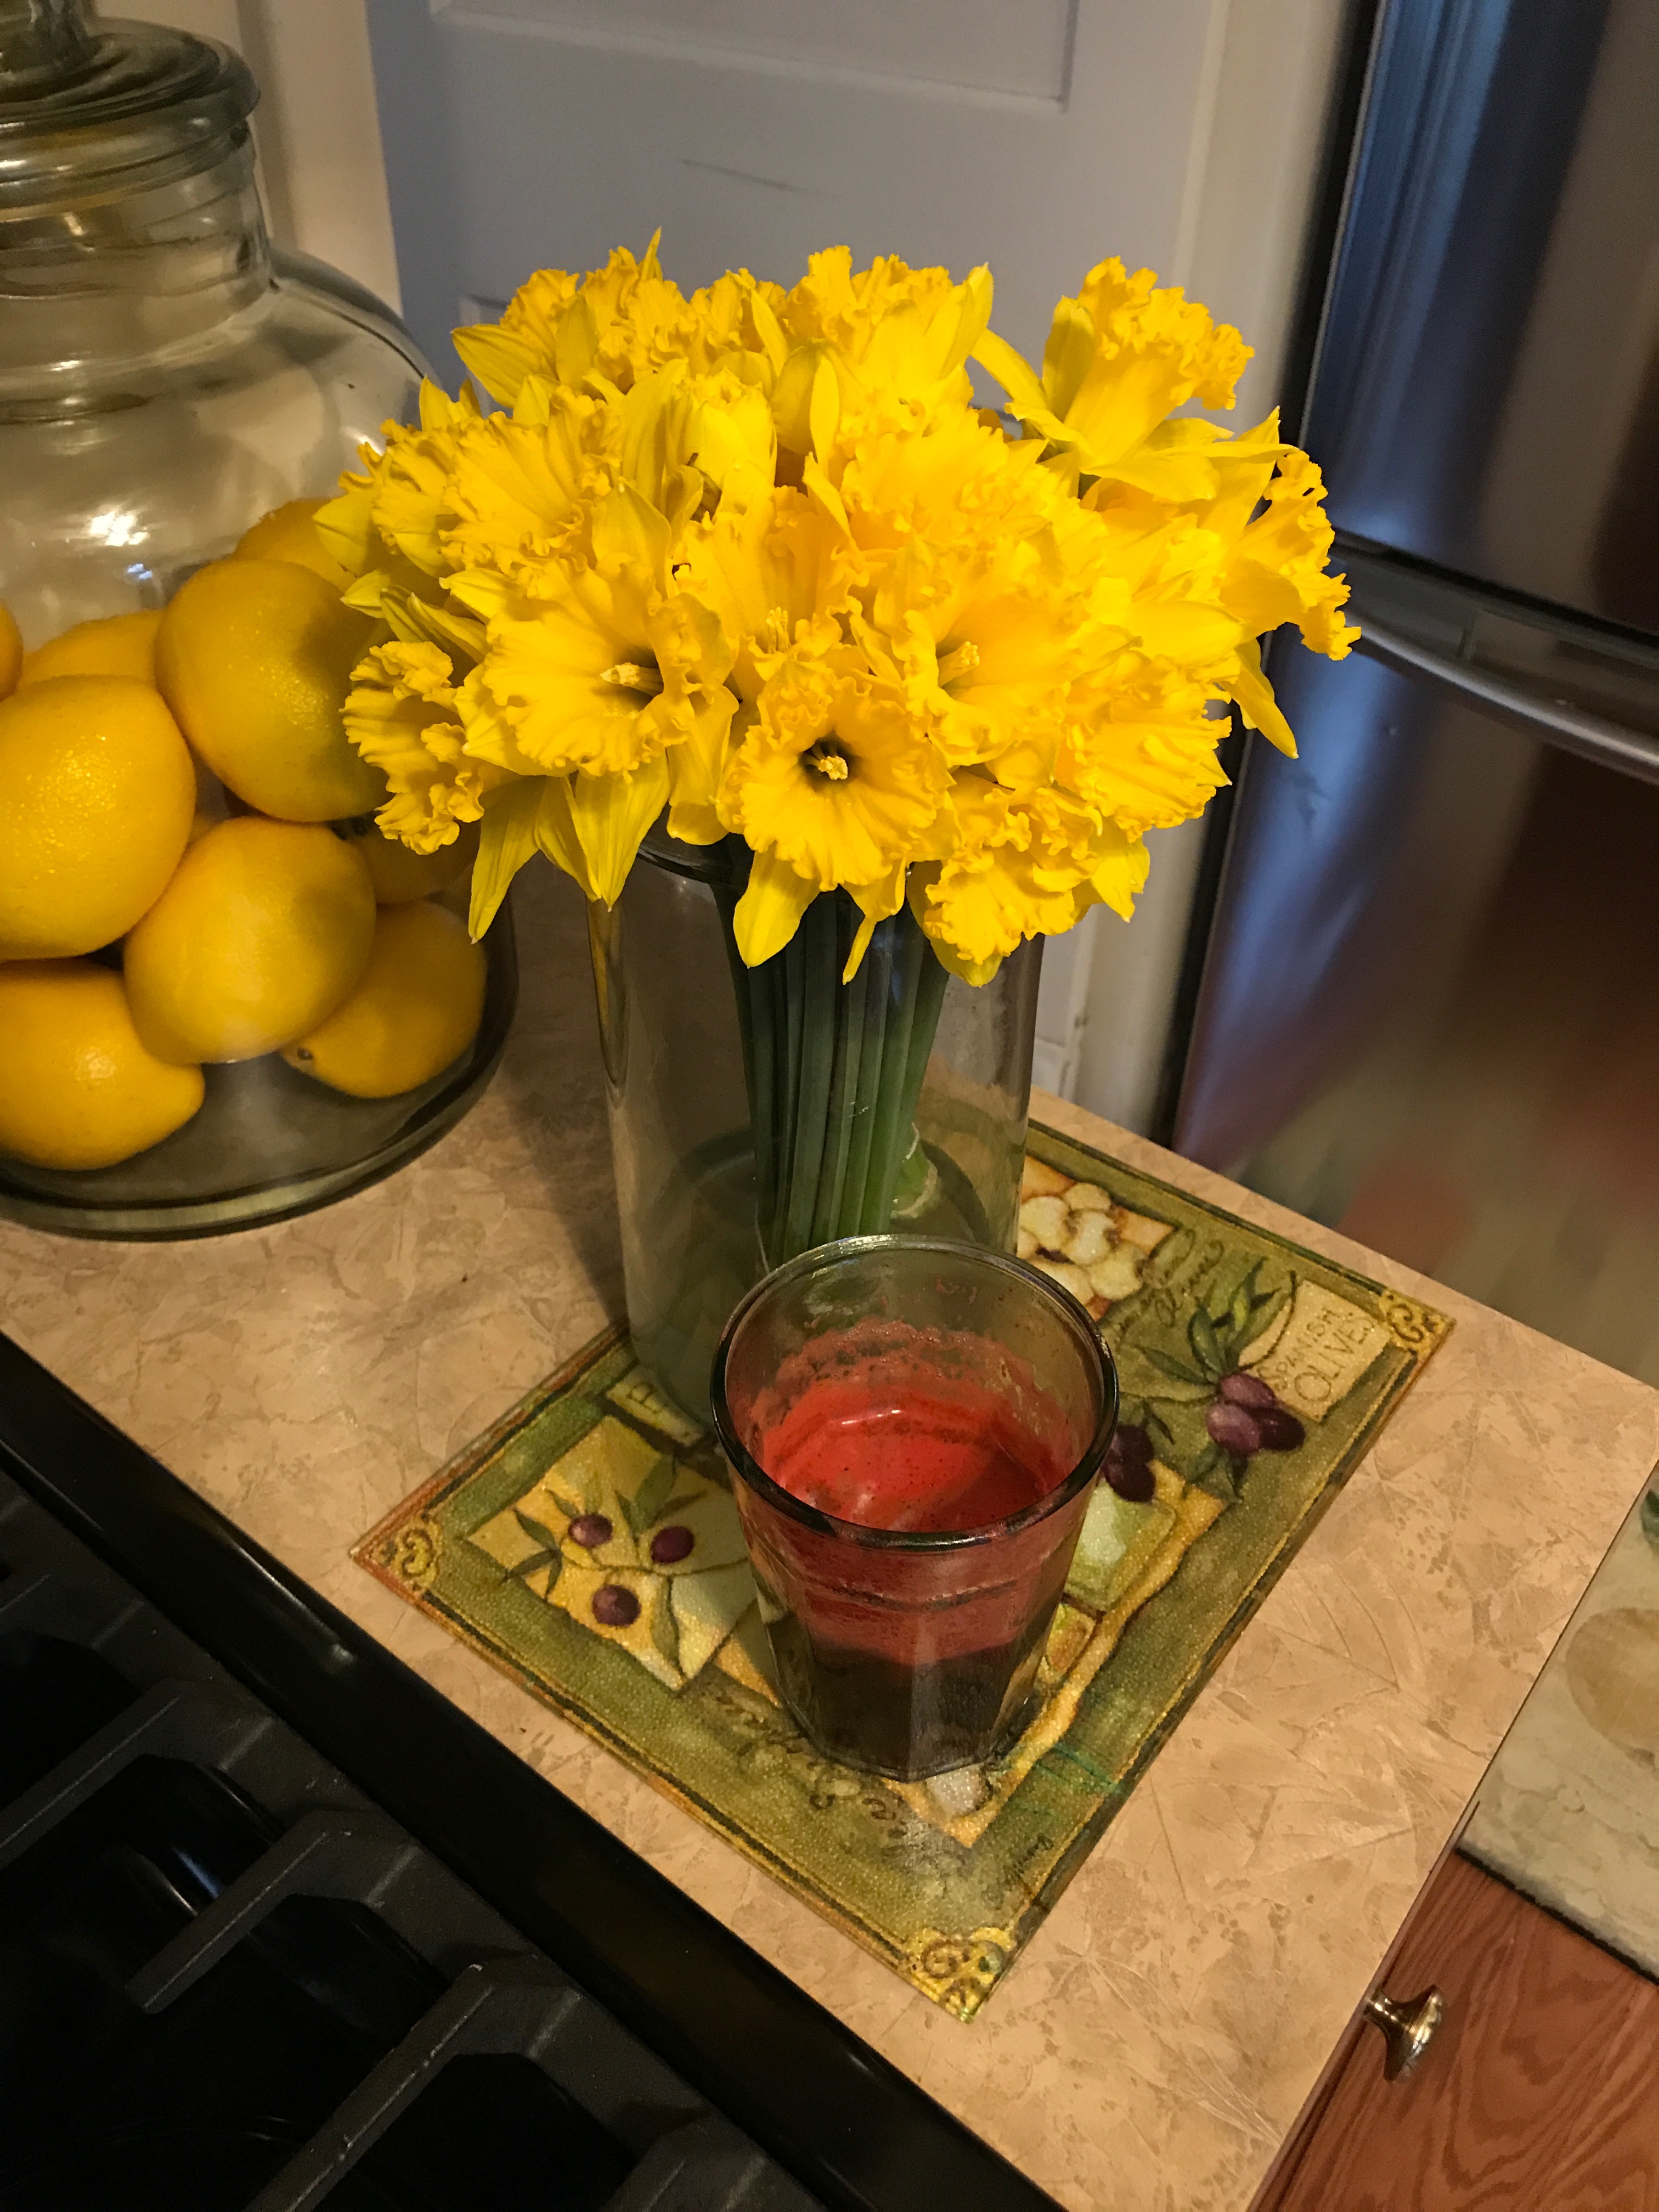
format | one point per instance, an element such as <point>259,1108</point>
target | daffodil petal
<point>696,769</point>
<point>973,300</point>
<point>976,972</point>
<point>1067,356</point>
<point>1021,383</point>
<point>876,902</point>
<point>555,830</point>
<point>1122,875</point>
<point>499,358</point>
<point>629,534</point>
<point>1254,696</point>
<point>507,840</point>
<point>609,815</point>
<point>576,346</point>
<point>768,912</point>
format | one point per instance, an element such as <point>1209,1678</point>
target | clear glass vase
<point>684,1136</point>
<point>166,381</point>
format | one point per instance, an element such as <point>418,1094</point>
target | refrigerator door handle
<point>1632,751</point>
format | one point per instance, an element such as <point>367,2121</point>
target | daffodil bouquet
<point>756,560</point>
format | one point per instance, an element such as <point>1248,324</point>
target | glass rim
<point>1069,1310</point>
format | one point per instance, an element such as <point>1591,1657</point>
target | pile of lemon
<point>177,793</point>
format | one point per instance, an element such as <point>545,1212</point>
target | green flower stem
<point>758,1010</point>
<point>834,1070</point>
<point>850,1023</point>
<point>789,997</point>
<point>822,1014</point>
<point>894,1118</point>
<point>931,982</point>
<point>877,970</point>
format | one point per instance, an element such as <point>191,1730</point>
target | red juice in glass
<point>891,1448</point>
<point>915,1428</point>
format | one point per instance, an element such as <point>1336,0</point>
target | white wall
<point>1109,988</point>
<point>1253,172</point>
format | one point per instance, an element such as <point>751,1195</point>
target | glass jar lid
<point>90,109</point>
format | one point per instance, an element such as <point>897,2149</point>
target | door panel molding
<point>1014,51</point>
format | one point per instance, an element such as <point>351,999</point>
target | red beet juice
<point>909,1657</point>
<point>901,1455</point>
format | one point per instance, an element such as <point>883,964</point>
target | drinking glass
<point>908,1651</point>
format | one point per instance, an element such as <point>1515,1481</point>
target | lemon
<point>11,651</point>
<point>400,875</point>
<point>254,658</point>
<point>78,1089</point>
<point>96,796</point>
<point>288,534</point>
<point>265,929</point>
<point>416,1009</point>
<point>117,645</point>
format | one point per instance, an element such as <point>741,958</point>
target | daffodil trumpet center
<point>958,664</point>
<point>827,757</point>
<point>641,676</point>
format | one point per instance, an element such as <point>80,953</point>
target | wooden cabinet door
<point>1540,2092</point>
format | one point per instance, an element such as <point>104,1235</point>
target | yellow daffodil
<point>525,341</point>
<point>607,666</point>
<point>522,488</point>
<point>737,327</point>
<point>1147,759</point>
<point>1275,573</point>
<point>685,438</point>
<point>754,557</point>
<point>385,527</point>
<point>402,715</point>
<point>952,480</point>
<point>896,337</point>
<point>834,788</point>
<point>1023,866</point>
<point>1121,357</point>
<point>775,574</point>
<point>772,574</point>
<point>839,308</point>
<point>987,651</point>
<point>619,323</point>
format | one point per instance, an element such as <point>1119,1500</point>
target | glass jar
<point>681,1144</point>
<point>166,381</point>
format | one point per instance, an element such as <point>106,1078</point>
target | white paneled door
<point>1039,136</point>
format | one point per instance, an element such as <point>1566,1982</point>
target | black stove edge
<point>847,2124</point>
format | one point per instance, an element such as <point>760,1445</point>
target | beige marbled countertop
<point>1156,2039</point>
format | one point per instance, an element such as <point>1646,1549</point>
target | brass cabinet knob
<point>1407,2029</point>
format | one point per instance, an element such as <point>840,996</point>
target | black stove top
<point>280,1927</point>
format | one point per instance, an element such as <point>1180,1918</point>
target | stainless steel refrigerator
<point>1430,1006</point>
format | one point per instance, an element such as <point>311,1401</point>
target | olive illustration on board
<point>614,1607</point>
<point>1127,1466</point>
<point>1247,1417</point>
